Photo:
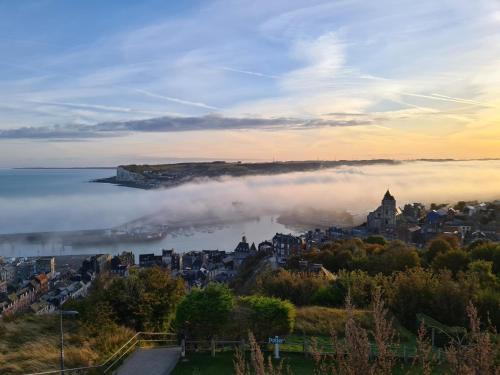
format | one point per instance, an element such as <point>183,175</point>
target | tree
<point>395,256</point>
<point>146,299</point>
<point>436,246</point>
<point>297,287</point>
<point>488,251</point>
<point>376,240</point>
<point>482,270</point>
<point>204,312</point>
<point>266,316</point>
<point>454,260</point>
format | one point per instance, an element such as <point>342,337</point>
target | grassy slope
<point>31,343</point>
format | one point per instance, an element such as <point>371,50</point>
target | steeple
<point>388,196</point>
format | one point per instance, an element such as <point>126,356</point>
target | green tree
<point>297,287</point>
<point>489,251</point>
<point>436,246</point>
<point>376,240</point>
<point>266,316</point>
<point>454,260</point>
<point>482,271</point>
<point>204,312</point>
<point>395,256</point>
<point>146,299</point>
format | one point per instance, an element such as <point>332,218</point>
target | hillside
<point>168,175</point>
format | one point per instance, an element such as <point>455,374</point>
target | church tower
<point>388,211</point>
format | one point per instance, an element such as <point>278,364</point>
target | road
<point>156,361</point>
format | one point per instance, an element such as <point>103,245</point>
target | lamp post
<point>61,313</point>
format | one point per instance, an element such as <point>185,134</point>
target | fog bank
<point>355,190</point>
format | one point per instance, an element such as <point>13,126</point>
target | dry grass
<point>319,321</point>
<point>31,343</point>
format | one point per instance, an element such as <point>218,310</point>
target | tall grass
<point>32,343</point>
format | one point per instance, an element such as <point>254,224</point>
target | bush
<point>297,287</point>
<point>266,316</point>
<point>204,312</point>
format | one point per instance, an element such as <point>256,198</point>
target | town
<point>41,285</point>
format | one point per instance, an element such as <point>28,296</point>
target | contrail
<point>248,72</point>
<point>444,98</point>
<point>176,100</point>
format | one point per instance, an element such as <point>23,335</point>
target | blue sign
<point>276,340</point>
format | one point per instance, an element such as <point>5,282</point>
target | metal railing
<point>140,339</point>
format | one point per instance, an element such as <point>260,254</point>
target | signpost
<point>276,341</point>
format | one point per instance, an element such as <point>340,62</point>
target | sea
<point>43,200</point>
<point>215,214</point>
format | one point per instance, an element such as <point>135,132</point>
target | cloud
<point>173,124</point>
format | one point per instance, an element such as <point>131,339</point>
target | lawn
<point>204,364</point>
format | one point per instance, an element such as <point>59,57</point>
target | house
<point>97,263</point>
<point>19,301</point>
<point>8,272</point>
<point>243,251</point>
<point>266,247</point>
<point>286,245</point>
<point>46,265</point>
<point>42,308</point>
<point>150,260</point>
<point>120,264</point>
<point>171,260</point>
<point>314,238</point>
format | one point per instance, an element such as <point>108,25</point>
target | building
<point>42,307</point>
<point>96,263</point>
<point>243,251</point>
<point>7,272</point>
<point>150,260</point>
<point>120,264</point>
<point>383,219</point>
<point>3,286</point>
<point>266,247</point>
<point>46,265</point>
<point>25,270</point>
<point>19,301</point>
<point>286,245</point>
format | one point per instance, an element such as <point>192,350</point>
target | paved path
<point>157,361</point>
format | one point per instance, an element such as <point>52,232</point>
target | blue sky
<point>236,79</point>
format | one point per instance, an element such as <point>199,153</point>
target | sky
<point>101,83</point>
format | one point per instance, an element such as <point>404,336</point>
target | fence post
<point>183,347</point>
<point>304,344</point>
<point>404,353</point>
<point>212,344</point>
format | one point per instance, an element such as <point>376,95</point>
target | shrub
<point>267,316</point>
<point>204,312</point>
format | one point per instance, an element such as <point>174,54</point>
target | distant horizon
<point>200,160</point>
